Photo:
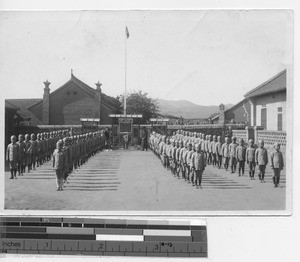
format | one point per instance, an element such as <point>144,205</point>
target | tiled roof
<point>273,85</point>
<point>106,100</point>
<point>23,105</point>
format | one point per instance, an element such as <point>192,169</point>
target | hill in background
<point>187,109</point>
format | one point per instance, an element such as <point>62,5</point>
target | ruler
<point>102,237</point>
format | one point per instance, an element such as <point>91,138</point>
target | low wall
<point>271,137</point>
<point>240,134</point>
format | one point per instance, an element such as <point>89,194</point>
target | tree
<point>139,102</point>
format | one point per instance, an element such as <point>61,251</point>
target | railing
<point>207,126</point>
<point>240,134</point>
<point>271,137</point>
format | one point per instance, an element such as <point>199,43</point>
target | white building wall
<point>271,102</point>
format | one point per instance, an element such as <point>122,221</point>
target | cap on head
<point>59,143</point>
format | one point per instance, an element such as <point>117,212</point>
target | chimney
<point>222,114</point>
<point>46,98</point>
<point>98,100</point>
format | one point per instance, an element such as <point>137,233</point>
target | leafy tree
<point>139,102</point>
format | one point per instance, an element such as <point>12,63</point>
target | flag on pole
<point>127,32</point>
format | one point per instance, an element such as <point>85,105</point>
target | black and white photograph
<point>178,112</point>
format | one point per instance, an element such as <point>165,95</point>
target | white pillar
<point>253,112</point>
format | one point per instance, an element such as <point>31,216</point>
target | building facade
<point>268,103</point>
<point>67,105</point>
<point>263,106</point>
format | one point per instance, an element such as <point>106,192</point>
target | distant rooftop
<point>275,84</point>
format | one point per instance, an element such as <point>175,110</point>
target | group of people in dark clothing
<point>67,152</point>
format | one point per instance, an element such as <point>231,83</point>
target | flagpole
<point>125,94</point>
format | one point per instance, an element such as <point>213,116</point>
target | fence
<point>240,134</point>
<point>271,137</point>
<point>206,126</point>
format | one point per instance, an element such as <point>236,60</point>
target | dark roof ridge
<point>23,99</point>
<point>265,83</point>
<point>6,101</point>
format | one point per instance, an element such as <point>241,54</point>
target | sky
<point>206,57</point>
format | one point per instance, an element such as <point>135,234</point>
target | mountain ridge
<point>187,109</point>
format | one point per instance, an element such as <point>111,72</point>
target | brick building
<point>263,106</point>
<point>67,104</point>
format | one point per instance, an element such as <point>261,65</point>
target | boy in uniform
<point>232,150</point>
<point>12,156</point>
<point>59,164</point>
<point>39,150</point>
<point>188,161</point>
<point>226,153</point>
<point>214,150</point>
<point>27,152</point>
<point>218,147</point>
<point>33,150</point>
<point>261,159</point>
<point>198,164</point>
<point>250,158</point>
<point>22,155</point>
<point>277,164</point>
<point>241,156</point>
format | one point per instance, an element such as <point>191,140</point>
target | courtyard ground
<point>134,180</point>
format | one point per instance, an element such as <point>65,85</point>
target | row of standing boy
<point>68,152</point>
<point>188,153</point>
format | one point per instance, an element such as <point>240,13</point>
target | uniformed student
<point>261,159</point>
<point>39,150</point>
<point>214,150</point>
<point>33,151</point>
<point>59,164</point>
<point>22,155</point>
<point>226,153</point>
<point>241,156</point>
<point>12,156</point>
<point>181,158</point>
<point>198,164</point>
<point>277,164</point>
<point>27,152</point>
<point>250,158</point>
<point>66,151</point>
<point>232,154</point>
<point>218,147</point>
<point>179,145</point>
<point>172,156</point>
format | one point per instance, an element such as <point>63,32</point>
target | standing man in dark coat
<point>144,139</point>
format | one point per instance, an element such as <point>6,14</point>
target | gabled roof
<point>23,105</point>
<point>9,105</point>
<point>229,109</point>
<point>275,84</point>
<point>106,100</point>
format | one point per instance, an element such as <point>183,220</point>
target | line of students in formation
<point>187,154</point>
<point>67,152</point>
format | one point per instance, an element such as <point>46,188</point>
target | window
<point>279,109</point>
<point>279,122</point>
<point>264,118</point>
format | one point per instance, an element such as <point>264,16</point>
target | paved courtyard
<point>135,180</point>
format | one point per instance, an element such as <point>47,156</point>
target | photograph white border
<point>229,238</point>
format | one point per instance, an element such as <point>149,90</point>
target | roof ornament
<point>47,84</point>
<point>98,84</point>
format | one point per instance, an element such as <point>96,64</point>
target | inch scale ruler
<point>102,237</point>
